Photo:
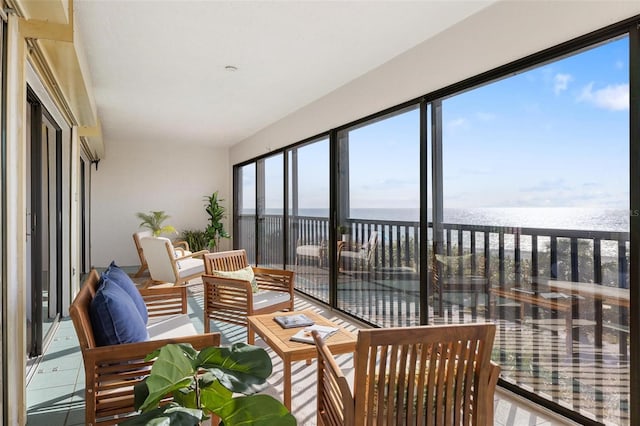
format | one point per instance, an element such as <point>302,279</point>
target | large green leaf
<point>261,410</point>
<point>172,370</point>
<point>214,396</point>
<point>240,368</point>
<point>170,414</point>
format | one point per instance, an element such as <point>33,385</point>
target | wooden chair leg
<point>251,337</point>
<point>140,271</point>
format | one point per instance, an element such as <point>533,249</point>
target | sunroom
<point>412,162</point>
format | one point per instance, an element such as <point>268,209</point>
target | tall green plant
<point>203,383</point>
<point>215,228</point>
<point>154,221</point>
<point>197,239</point>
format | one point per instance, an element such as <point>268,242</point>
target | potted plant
<point>343,230</point>
<point>197,239</point>
<point>203,384</point>
<point>154,221</point>
<point>215,228</point>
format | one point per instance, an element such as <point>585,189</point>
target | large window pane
<point>270,211</point>
<point>309,217</point>
<point>378,211</point>
<point>535,228</point>
<point>245,217</point>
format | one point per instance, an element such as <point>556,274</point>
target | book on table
<point>292,321</point>
<point>305,336</point>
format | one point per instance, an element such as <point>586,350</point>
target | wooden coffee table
<point>277,338</point>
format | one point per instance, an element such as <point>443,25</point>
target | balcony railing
<point>502,254</point>
<point>561,349</point>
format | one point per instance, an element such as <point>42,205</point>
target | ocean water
<point>576,218</point>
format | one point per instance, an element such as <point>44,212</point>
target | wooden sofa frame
<point>112,371</point>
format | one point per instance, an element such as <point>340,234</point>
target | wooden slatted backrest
<point>79,311</point>
<point>430,375</point>
<point>231,260</point>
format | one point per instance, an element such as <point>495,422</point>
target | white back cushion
<point>157,251</point>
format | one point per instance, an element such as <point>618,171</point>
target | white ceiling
<point>158,67</point>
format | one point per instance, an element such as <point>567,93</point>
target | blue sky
<point>553,136</point>
<point>556,136</point>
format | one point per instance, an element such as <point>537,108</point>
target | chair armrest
<point>494,374</point>
<point>163,301</point>
<point>138,351</point>
<point>334,398</point>
<point>227,294</point>
<point>183,244</point>
<point>232,283</point>
<point>189,256</point>
<point>274,279</point>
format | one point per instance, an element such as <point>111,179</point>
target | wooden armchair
<point>166,265</point>
<point>181,247</point>
<point>359,257</point>
<point>429,375</point>
<point>231,300</point>
<point>112,371</point>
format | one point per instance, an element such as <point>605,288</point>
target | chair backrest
<point>440,374</point>
<point>137,236</point>
<point>79,311</point>
<point>159,253</point>
<point>231,260</point>
<point>371,245</point>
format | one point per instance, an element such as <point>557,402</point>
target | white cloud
<point>457,122</point>
<point>613,97</point>
<point>561,82</point>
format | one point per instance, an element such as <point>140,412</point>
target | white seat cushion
<point>308,251</point>
<point>170,327</point>
<point>354,254</point>
<point>190,267</point>
<point>265,298</point>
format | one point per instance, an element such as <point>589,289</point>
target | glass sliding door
<point>378,219</point>
<point>245,210</point>
<point>270,211</point>
<point>532,230</point>
<point>44,241</point>
<point>308,248</point>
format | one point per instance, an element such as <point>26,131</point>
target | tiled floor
<point>55,393</point>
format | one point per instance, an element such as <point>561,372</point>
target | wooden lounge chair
<point>166,265</point>
<point>181,247</point>
<point>112,371</point>
<point>429,375</point>
<point>232,299</point>
<point>360,258</point>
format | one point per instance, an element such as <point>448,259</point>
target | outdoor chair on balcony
<point>115,338</point>
<point>233,290</point>
<point>181,247</point>
<point>430,375</point>
<point>317,252</point>
<point>360,257</point>
<point>166,265</point>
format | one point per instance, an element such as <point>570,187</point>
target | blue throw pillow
<point>114,317</point>
<point>125,282</point>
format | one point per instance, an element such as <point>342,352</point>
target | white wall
<point>497,35</point>
<point>139,176</point>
